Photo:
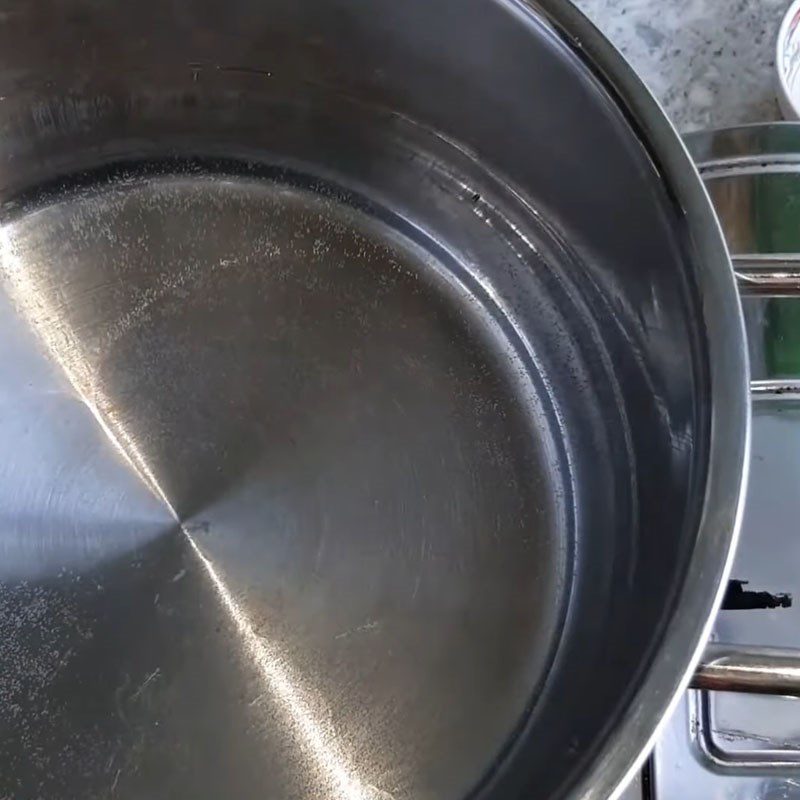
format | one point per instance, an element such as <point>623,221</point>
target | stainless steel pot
<point>374,402</point>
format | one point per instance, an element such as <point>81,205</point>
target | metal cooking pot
<point>373,402</point>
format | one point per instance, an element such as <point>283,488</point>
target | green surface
<point>777,230</point>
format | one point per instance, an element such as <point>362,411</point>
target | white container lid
<point>787,62</point>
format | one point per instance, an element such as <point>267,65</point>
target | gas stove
<point>718,745</point>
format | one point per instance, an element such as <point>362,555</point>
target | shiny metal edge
<point>684,640</point>
<point>733,168</point>
<point>751,669</point>
<point>772,274</point>
<point>744,762</point>
<point>775,389</point>
<point>758,143</point>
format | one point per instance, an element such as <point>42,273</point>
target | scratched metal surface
<point>320,405</point>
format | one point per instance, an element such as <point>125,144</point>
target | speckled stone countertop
<point>709,62</point>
